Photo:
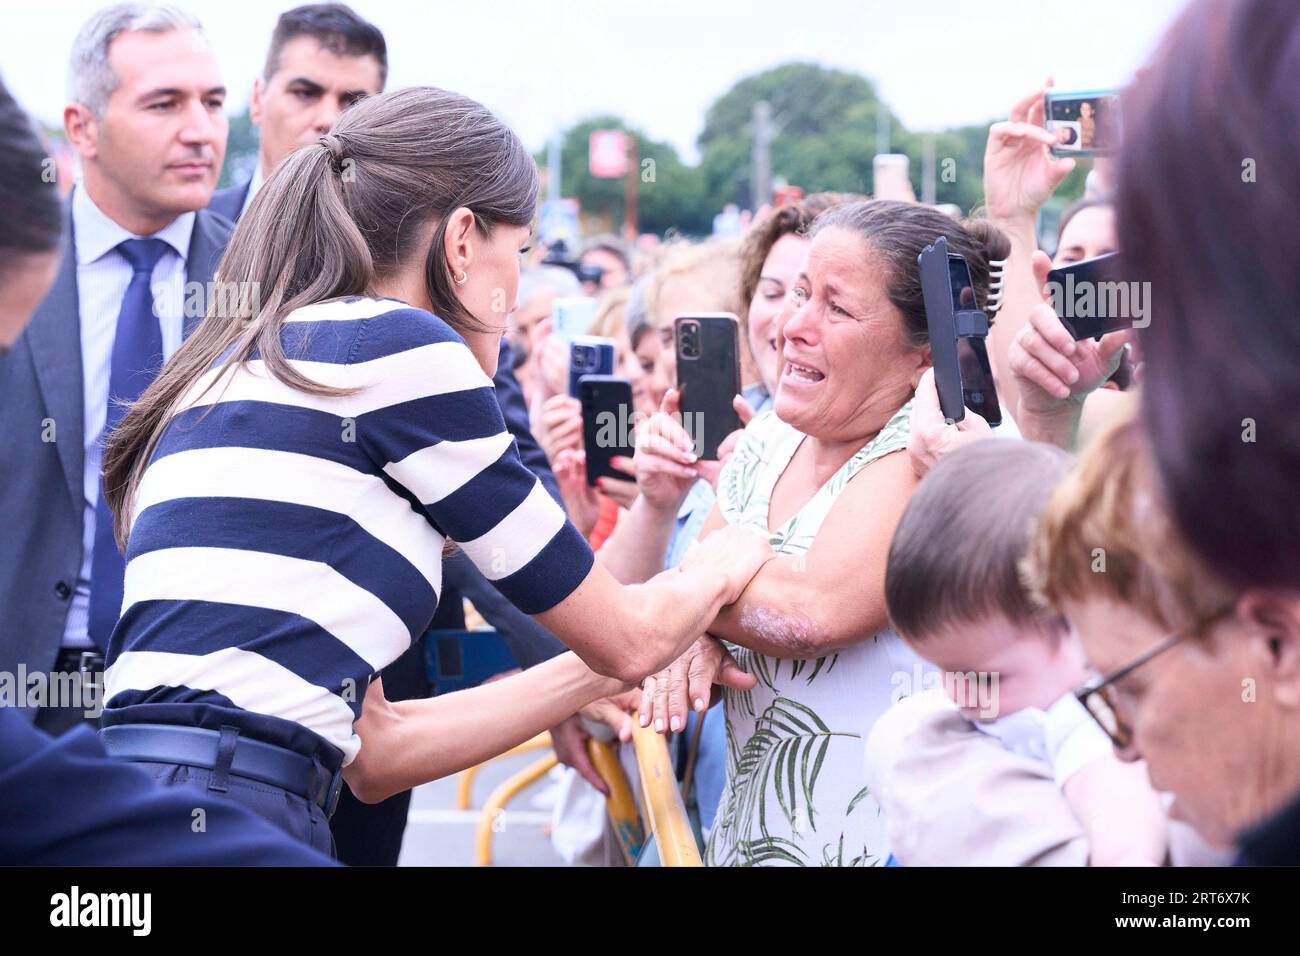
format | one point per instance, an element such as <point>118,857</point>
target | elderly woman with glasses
<point>1198,677</point>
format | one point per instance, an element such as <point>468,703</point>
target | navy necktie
<point>137,357</point>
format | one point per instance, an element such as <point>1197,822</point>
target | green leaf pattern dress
<point>794,792</point>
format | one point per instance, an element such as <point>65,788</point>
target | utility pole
<point>631,216</point>
<point>761,184</point>
<point>553,167</point>
<point>882,129</point>
<point>927,171</point>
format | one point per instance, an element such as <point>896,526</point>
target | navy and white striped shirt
<point>286,546</point>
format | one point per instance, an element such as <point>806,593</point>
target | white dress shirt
<point>102,277</point>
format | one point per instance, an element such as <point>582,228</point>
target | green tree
<point>669,192</point>
<point>241,151</point>
<point>826,124</point>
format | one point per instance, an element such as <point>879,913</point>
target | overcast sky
<point>544,64</point>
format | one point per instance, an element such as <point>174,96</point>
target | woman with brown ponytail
<point>285,489</point>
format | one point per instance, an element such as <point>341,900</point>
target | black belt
<point>225,752</point>
<point>72,660</point>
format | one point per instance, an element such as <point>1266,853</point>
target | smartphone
<point>979,394</point>
<point>572,315</point>
<point>1091,297</point>
<point>607,422</point>
<point>963,375</point>
<point>1091,120</point>
<point>589,355</point>
<point>708,377</point>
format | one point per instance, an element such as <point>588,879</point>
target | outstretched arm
<point>410,742</point>
<point>804,606</point>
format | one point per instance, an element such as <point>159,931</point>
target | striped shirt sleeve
<point>444,445</point>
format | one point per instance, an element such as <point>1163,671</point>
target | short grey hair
<point>534,280</point>
<point>90,77</point>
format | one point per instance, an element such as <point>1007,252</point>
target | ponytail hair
<point>332,218</point>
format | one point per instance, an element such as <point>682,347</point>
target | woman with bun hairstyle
<point>825,477</point>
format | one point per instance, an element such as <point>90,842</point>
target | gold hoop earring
<point>460,279</point>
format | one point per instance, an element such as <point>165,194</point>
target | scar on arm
<point>798,633</point>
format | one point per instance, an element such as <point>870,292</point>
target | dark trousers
<point>370,834</point>
<point>76,695</point>
<point>297,816</point>
<point>57,721</point>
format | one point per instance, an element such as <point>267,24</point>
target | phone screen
<point>979,393</point>
<point>963,289</point>
<point>1090,122</point>
<point>1092,297</point>
<point>572,315</point>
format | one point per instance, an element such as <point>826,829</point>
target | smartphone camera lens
<point>690,340</point>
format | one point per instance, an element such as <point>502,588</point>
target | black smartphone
<point>589,355</point>
<point>1090,121</point>
<point>979,393</point>
<point>708,377</point>
<point>963,375</point>
<point>1091,297</point>
<point>607,424</point>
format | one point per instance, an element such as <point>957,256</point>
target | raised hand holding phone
<point>1052,370</point>
<point>1020,172</point>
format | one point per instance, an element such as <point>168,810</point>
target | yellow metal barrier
<point>665,811</point>
<point>466,780</point>
<point>620,804</point>
<point>497,801</point>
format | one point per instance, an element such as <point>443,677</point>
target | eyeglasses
<point>1099,698</point>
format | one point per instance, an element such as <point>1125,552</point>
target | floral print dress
<point>795,793</point>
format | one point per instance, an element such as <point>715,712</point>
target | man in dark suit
<point>323,58</point>
<point>146,114</point>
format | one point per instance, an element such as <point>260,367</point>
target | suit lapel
<point>207,243</point>
<point>54,336</point>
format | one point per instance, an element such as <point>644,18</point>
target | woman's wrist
<point>1020,228</point>
<point>1058,426</point>
<point>589,685</point>
<point>1012,216</point>
<point>711,581</point>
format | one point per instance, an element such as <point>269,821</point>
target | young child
<point>1001,765</point>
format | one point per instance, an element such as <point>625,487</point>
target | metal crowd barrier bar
<point>664,809</point>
